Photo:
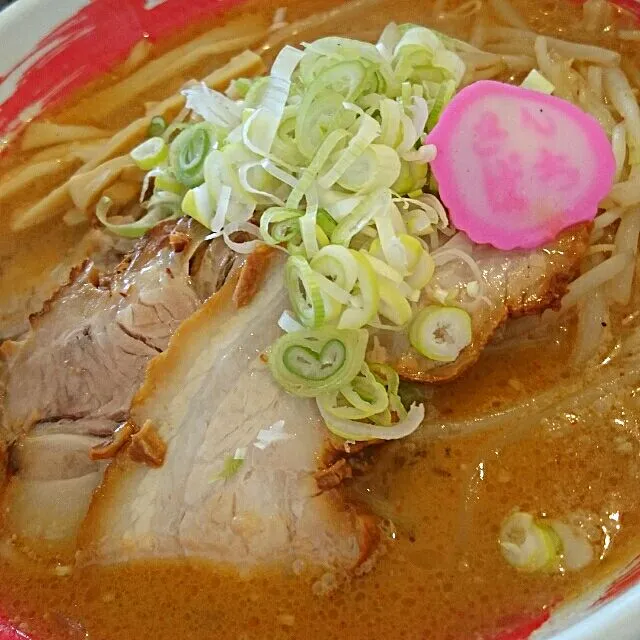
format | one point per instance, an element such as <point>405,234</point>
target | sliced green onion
<point>308,224</point>
<point>331,289</point>
<point>368,131</point>
<point>393,305</point>
<point>189,151</point>
<point>278,225</point>
<point>212,106</point>
<point>377,167</point>
<point>230,467</point>
<point>130,229</point>
<point>255,92</point>
<point>326,222</point>
<point>239,87</point>
<point>321,237</point>
<point>288,323</point>
<point>366,292</point>
<point>257,183</point>
<point>382,268</point>
<point>422,272</point>
<point>537,82</point>
<point>391,132</point>
<point>361,215</point>
<point>312,362</point>
<point>157,126</point>
<point>222,208</point>
<point>413,176</point>
<point>442,99</point>
<point>365,393</point>
<point>346,78</point>
<point>150,153</point>
<point>338,265</point>
<point>415,49</point>
<point>164,181</point>
<point>386,375</point>
<point>388,40</point>
<point>360,431</point>
<point>364,396</point>
<point>260,130</point>
<point>197,204</point>
<point>304,292</point>
<point>392,246</point>
<point>413,250</point>
<point>528,544</point>
<point>577,551</point>
<point>441,333</point>
<point>321,111</point>
<point>319,160</point>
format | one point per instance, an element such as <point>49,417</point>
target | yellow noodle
<point>32,173</point>
<point>483,59</point>
<point>86,188</point>
<point>632,71</point>
<point>626,193</point>
<point>465,10</point>
<point>46,134</point>
<point>545,64</point>
<point>439,7</point>
<point>519,62</point>
<point>626,241</point>
<point>508,14</point>
<point>234,28</point>
<point>586,52</point>
<point>124,94</point>
<point>247,63</point>
<point>489,72</point>
<point>587,282</point>
<point>138,55</point>
<point>620,94</point>
<point>59,200</point>
<point>595,105</point>
<point>122,192</point>
<point>477,38</point>
<point>593,317</point>
<point>52,153</point>
<point>304,29</point>
<point>80,150</point>
<point>511,47</point>
<point>629,34</point>
<point>238,34</point>
<point>575,50</point>
<point>479,59</point>
<point>85,152</point>
<point>594,79</point>
<point>74,217</point>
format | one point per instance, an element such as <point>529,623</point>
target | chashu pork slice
<point>69,383</point>
<point>51,481</point>
<point>87,350</point>
<point>207,397</point>
<point>515,283</point>
<point>29,294</point>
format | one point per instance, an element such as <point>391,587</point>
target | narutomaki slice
<point>515,167</point>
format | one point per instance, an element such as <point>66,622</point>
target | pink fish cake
<point>515,167</point>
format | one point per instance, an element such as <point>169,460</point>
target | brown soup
<point>442,574</point>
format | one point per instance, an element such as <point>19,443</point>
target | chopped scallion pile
<point>328,152</point>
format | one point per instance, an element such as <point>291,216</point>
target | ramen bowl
<point>51,49</point>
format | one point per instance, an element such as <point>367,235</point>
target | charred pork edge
<point>550,296</point>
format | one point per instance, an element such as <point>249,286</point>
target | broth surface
<point>442,575</point>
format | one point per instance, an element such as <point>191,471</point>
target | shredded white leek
<point>327,153</point>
